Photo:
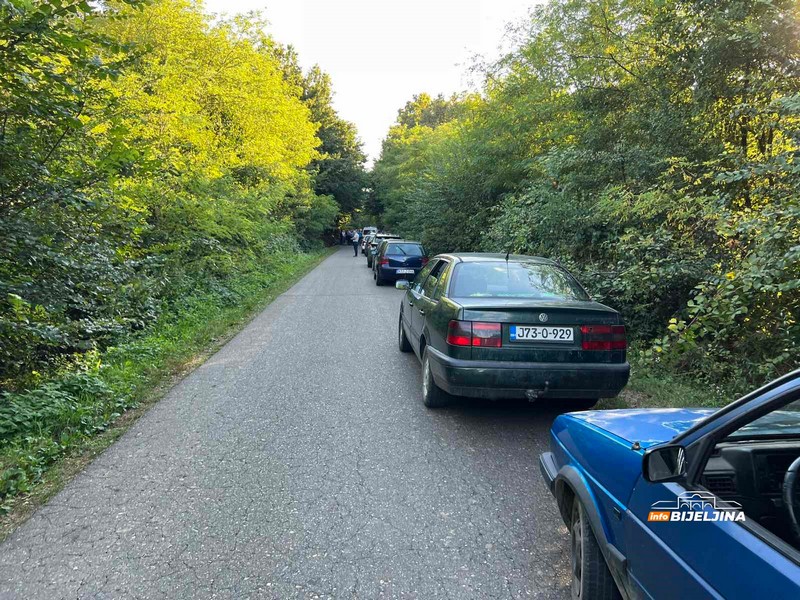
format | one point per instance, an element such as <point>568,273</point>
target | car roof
<point>401,241</point>
<point>496,256</point>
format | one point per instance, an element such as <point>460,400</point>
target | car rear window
<point>405,249</point>
<point>503,279</point>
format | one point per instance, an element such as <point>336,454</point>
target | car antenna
<point>507,253</point>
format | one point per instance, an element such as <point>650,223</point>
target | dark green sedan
<point>498,326</point>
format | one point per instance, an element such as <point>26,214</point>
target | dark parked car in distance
<point>372,249</point>
<point>398,259</point>
<point>499,326</point>
<point>368,237</point>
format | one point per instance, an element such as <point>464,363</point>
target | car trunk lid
<point>571,314</point>
<point>401,261</point>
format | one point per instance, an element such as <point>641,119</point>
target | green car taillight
<point>474,333</point>
<point>603,337</point>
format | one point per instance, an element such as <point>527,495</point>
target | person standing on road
<point>356,240</point>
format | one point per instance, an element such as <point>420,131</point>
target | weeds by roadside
<point>661,388</point>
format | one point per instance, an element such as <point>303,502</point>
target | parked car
<point>499,326</point>
<point>366,241</point>
<point>398,259</point>
<point>375,242</point>
<point>682,503</point>
<point>369,230</point>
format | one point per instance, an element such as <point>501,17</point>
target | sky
<point>379,53</point>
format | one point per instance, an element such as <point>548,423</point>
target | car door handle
<point>422,312</point>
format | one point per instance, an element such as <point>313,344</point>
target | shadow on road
<point>537,411</point>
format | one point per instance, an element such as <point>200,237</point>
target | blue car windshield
<point>510,279</point>
<point>777,424</point>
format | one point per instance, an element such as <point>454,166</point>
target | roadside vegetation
<point>162,174</point>
<point>651,147</point>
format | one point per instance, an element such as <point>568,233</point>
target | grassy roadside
<point>648,388</point>
<point>49,434</point>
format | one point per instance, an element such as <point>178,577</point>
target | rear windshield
<point>405,249</point>
<point>503,279</point>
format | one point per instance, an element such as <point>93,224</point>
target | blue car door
<point>717,556</point>
<point>705,559</point>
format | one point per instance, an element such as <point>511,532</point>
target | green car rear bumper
<point>496,379</point>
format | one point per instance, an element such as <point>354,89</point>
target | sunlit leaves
<point>653,148</point>
<point>146,152</point>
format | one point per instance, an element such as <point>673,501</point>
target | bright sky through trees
<point>379,53</point>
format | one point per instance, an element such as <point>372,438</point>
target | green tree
<point>339,171</point>
<point>649,145</point>
<point>146,153</point>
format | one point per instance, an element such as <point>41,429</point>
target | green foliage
<point>144,152</point>
<point>150,158</point>
<point>339,171</point>
<point>650,146</point>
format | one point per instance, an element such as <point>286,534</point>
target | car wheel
<point>583,403</point>
<point>432,395</point>
<point>378,279</point>
<point>590,575</point>
<point>403,343</point>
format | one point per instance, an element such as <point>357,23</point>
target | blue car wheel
<point>591,578</point>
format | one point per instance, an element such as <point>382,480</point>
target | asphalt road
<point>299,462</point>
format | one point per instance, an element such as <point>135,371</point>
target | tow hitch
<point>534,395</point>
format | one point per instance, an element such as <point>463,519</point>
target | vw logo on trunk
<point>543,317</point>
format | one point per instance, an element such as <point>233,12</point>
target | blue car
<point>398,259</point>
<point>682,503</point>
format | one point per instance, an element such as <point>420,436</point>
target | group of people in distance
<point>353,236</point>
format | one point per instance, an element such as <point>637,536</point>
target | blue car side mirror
<point>664,463</point>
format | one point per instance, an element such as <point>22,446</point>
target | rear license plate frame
<point>549,334</point>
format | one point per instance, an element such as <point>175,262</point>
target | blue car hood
<point>648,426</point>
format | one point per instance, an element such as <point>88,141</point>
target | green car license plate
<point>538,333</point>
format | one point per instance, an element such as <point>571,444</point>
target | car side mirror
<point>402,284</point>
<point>664,463</point>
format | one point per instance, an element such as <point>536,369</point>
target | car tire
<point>590,575</point>
<point>403,343</point>
<point>378,279</point>
<point>583,403</point>
<point>432,395</point>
